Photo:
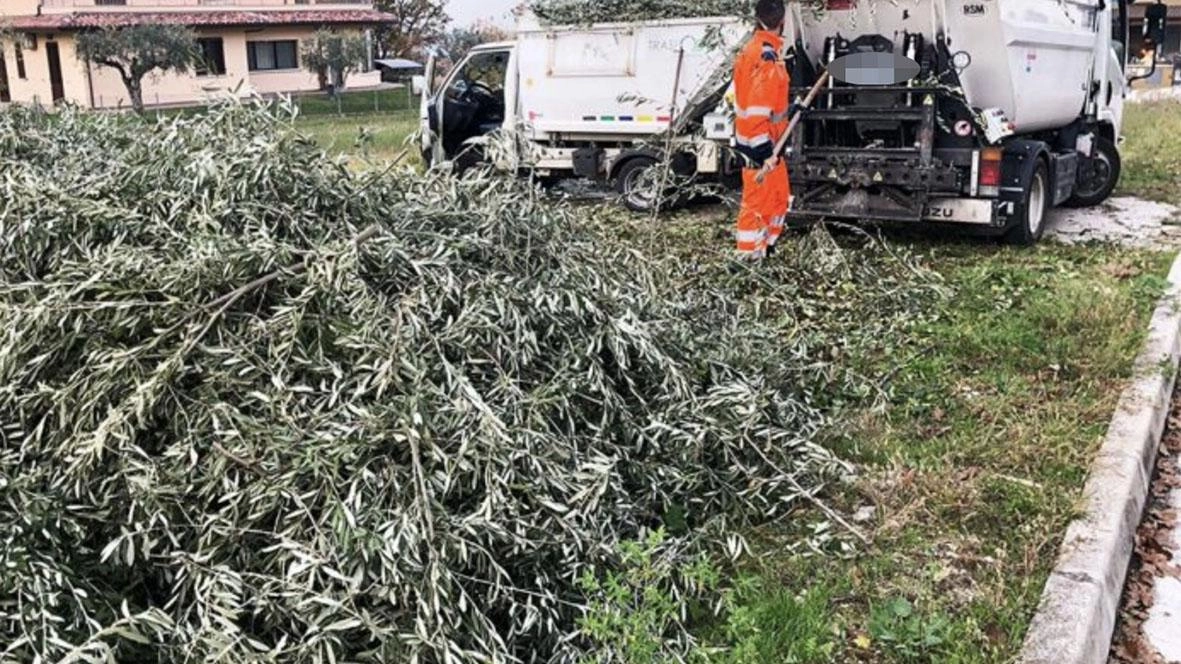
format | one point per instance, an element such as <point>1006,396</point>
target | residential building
<point>1172,43</point>
<point>1168,50</point>
<point>250,46</point>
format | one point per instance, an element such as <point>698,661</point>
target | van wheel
<point>1032,224</point>
<point>635,184</point>
<point>1098,176</point>
<point>468,159</point>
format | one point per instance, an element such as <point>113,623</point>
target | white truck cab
<point>592,102</point>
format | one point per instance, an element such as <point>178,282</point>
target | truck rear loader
<point>1017,108</point>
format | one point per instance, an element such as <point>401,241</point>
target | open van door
<point>428,140</point>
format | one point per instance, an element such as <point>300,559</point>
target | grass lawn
<point>364,138</point>
<point>1152,151</point>
<point>351,126</point>
<point>973,469</point>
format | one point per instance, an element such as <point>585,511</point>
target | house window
<point>1172,43</point>
<point>20,62</point>
<point>272,55</point>
<point>213,57</point>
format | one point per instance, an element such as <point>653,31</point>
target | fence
<point>359,102</point>
<point>399,102</point>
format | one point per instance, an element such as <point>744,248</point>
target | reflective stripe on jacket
<point>761,88</point>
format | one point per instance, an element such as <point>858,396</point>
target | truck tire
<point>1098,177</point>
<point>629,183</point>
<point>1032,224</point>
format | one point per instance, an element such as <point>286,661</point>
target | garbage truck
<point>604,101</point>
<point>1016,108</point>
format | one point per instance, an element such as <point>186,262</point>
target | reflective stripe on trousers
<point>775,230</point>
<point>764,210</point>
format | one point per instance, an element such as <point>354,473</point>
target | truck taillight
<point>990,172</point>
<point>838,5</point>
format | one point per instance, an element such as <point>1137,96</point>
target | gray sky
<point>466,12</point>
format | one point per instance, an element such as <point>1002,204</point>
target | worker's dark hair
<point>770,13</point>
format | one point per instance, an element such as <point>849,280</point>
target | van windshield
<point>483,74</point>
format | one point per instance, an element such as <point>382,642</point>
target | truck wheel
<point>1098,176</point>
<point>1032,225</point>
<point>634,184</point>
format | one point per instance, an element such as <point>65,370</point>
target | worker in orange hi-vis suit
<point>761,88</point>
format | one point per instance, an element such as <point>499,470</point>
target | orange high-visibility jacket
<point>761,86</point>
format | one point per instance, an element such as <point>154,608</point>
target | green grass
<point>1152,151</point>
<point>975,467</point>
<point>371,138</point>
<point>775,624</point>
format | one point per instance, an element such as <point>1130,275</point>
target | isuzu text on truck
<point>1016,107</point>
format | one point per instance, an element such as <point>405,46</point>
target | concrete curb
<point>1075,619</point>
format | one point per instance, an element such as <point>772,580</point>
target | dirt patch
<point>1126,221</point>
<point>1155,558</point>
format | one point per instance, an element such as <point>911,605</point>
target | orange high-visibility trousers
<point>761,89</point>
<point>764,209</point>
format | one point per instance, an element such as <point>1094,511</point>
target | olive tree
<point>455,43</point>
<point>415,25</point>
<point>333,55</point>
<point>138,50</point>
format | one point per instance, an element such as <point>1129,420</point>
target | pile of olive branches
<point>255,406</point>
<point>574,12</point>
<point>592,11</point>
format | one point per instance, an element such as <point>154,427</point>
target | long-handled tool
<point>795,120</point>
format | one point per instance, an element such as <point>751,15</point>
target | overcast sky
<point>466,12</point>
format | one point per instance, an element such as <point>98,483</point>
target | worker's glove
<point>793,109</point>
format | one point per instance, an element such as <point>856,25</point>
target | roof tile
<point>85,20</point>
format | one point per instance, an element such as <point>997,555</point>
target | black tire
<point>1098,177</point>
<point>1032,224</point>
<point>628,181</point>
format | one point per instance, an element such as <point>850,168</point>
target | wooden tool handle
<point>795,121</point>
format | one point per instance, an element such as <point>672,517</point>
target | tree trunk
<point>136,92</point>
